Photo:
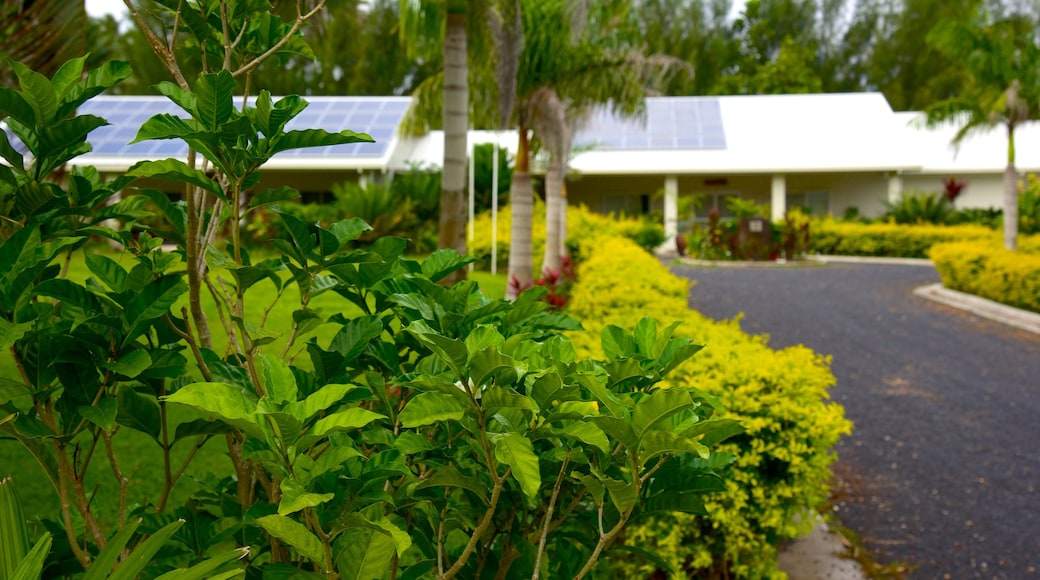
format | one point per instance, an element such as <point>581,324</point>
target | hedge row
<point>581,224</point>
<point>782,468</point>
<point>990,271</point>
<point>889,240</point>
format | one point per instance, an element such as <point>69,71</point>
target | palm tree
<point>41,34</point>
<point>575,57</point>
<point>1001,88</point>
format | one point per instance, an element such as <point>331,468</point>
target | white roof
<point>983,151</point>
<point>779,134</point>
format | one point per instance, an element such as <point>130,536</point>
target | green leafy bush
<point>781,470</point>
<point>888,240</point>
<point>990,271</point>
<point>920,208</point>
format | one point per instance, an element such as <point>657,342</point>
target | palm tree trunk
<point>1011,194</point>
<point>456,121</point>
<point>563,220</point>
<point>552,258</point>
<point>521,203</point>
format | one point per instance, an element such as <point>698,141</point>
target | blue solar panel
<point>671,123</point>
<point>378,116</point>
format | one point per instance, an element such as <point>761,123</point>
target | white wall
<point>984,190</point>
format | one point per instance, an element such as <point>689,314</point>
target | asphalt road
<point>943,467</point>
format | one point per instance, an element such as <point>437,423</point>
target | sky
<point>102,7</point>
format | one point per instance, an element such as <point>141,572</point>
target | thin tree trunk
<point>1010,207</point>
<point>552,258</point>
<point>1011,194</point>
<point>456,125</point>
<point>521,195</point>
<point>563,220</point>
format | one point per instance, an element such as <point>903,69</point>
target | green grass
<point>140,457</point>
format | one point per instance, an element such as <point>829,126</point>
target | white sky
<point>102,7</point>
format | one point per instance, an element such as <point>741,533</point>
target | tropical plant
<point>1002,88</point>
<point>41,35</point>
<point>920,208</point>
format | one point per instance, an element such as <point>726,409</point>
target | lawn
<point>140,456</point>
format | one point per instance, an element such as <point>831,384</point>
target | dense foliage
<point>781,470</point>
<point>989,271</point>
<point>832,237</point>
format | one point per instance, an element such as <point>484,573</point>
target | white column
<point>472,203</point>
<point>494,206</point>
<point>671,208</point>
<point>363,178</point>
<point>778,198</point>
<point>895,187</point>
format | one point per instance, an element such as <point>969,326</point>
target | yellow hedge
<point>889,240</point>
<point>782,470</point>
<point>581,224</point>
<point>990,271</point>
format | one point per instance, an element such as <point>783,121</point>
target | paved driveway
<point>943,467</point>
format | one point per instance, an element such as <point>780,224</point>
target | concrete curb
<point>873,260</point>
<point>1025,320</point>
<point>818,556</point>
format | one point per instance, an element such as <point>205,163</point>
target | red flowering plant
<point>556,281</point>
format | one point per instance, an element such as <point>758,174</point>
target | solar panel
<point>671,123</point>
<point>378,116</point>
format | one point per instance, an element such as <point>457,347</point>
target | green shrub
<point>920,208</point>
<point>781,472</point>
<point>990,271</point>
<point>581,224</point>
<point>888,240</point>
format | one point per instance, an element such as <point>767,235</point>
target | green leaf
<point>662,404</point>
<point>546,388</point>
<point>10,154</point>
<point>587,433</point>
<point>12,332</point>
<point>315,138</point>
<point>279,380</point>
<point>12,103</point>
<point>296,498</point>
<point>139,412</point>
<point>352,418</point>
<point>349,230</point>
<point>37,92</point>
<point>153,301</point>
<point>107,270</point>
<point>690,503</point>
<point>482,337</point>
<point>617,429</point>
<point>450,350</point>
<point>450,477</point>
<point>130,364</point>
<point>103,414</point>
<point>364,554</point>
<point>107,558</point>
<point>617,342</point>
<point>497,397</point>
<point>490,364</point>
<point>714,431</point>
<point>659,442</point>
<point>273,195</point>
<point>295,534</point>
<point>11,390</point>
<point>623,494</point>
<point>201,427</point>
<point>174,170</point>
<point>184,99</point>
<point>321,400</point>
<point>214,94</point>
<point>355,335</point>
<point>515,450</point>
<point>204,570</point>
<point>31,566</point>
<point>602,394</point>
<point>430,408</point>
<point>220,401</point>
<point>645,334</point>
<point>96,82</point>
<point>443,262</point>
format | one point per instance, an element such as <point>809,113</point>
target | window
<point>816,203</point>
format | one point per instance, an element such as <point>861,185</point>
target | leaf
<point>175,170</point>
<point>690,503</point>
<point>107,270</point>
<point>321,400</point>
<point>349,230</point>
<point>443,262</point>
<point>97,81</point>
<point>355,335</point>
<point>37,92</point>
<point>497,397</point>
<point>714,431</point>
<point>11,155</point>
<point>515,450</point>
<point>617,342</point>
<point>623,494</point>
<point>102,414</point>
<point>201,427</point>
<point>279,380</point>
<point>204,569</point>
<point>107,558</point>
<point>450,477</point>
<point>220,401</point>
<point>153,301</point>
<point>11,390</point>
<point>315,138</point>
<point>429,408</point>
<point>295,534</point>
<point>214,94</point>
<point>645,334</point>
<point>587,433</point>
<point>617,429</point>
<point>364,554</point>
<point>482,337</point>
<point>662,404</point>
<point>352,418</point>
<point>12,332</point>
<point>602,394</point>
<point>452,351</point>
<point>139,411</point>
<point>31,566</point>
<point>12,103</point>
<point>490,364</point>
<point>296,498</point>
<point>130,364</point>
<point>183,98</point>
<point>659,442</point>
<point>273,195</point>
